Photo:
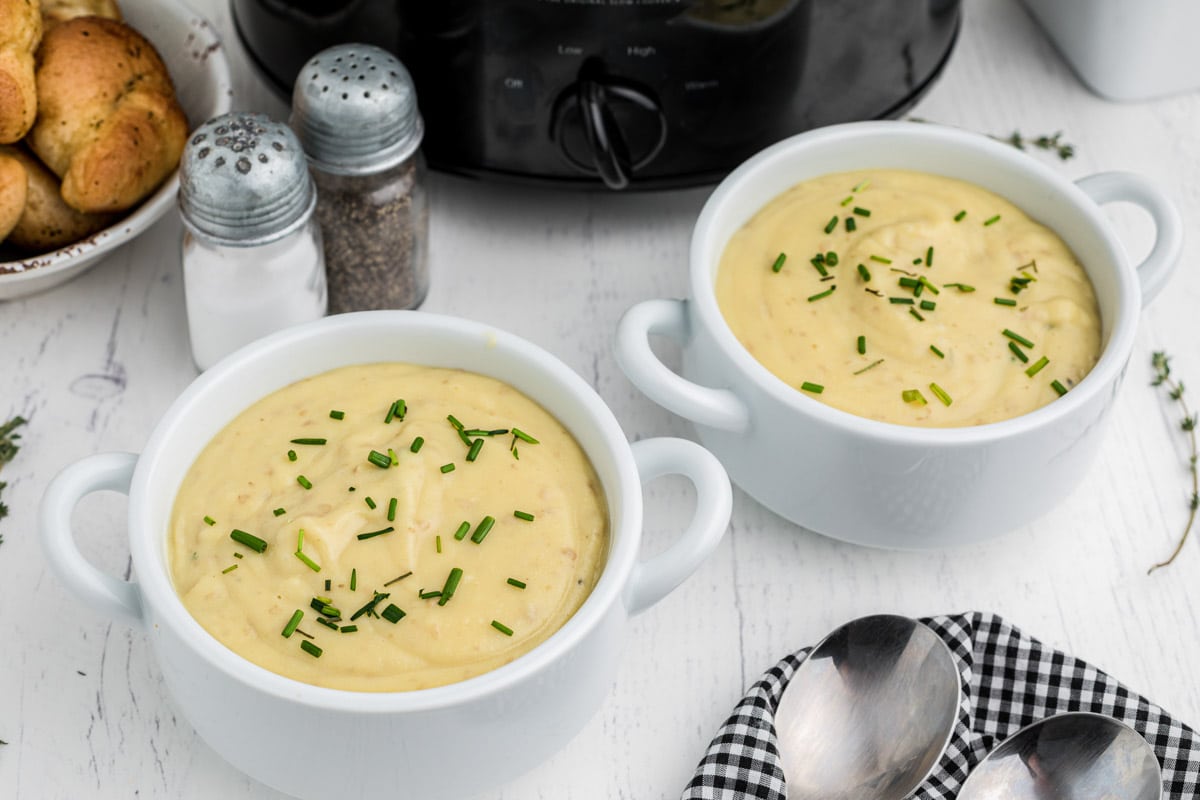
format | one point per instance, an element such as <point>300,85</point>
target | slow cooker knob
<point>622,124</point>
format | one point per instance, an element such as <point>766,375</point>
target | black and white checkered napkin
<point>1009,680</point>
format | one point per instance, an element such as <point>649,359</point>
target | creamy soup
<point>909,298</point>
<point>388,527</point>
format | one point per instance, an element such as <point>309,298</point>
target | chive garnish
<point>917,260</point>
<point>516,583</point>
<point>327,623</point>
<point>1018,352</point>
<point>929,256</point>
<point>209,521</point>
<point>314,566</point>
<point>829,226</point>
<point>815,388</point>
<point>279,512</point>
<point>300,540</point>
<point>311,649</point>
<point>395,411</point>
<point>778,265</point>
<point>381,460</point>
<point>881,259</point>
<point>1004,301</point>
<point>525,515</point>
<point>447,468</point>
<point>920,287</point>
<point>354,579</point>
<point>1016,337</point>
<point>308,441</point>
<point>303,481</point>
<point>335,414</point>
<point>864,272</point>
<point>1058,387</point>
<point>928,305</point>
<point>370,503</point>
<point>328,584</point>
<point>424,595</point>
<point>397,579</point>
<point>391,515</point>
<point>909,283</point>
<point>1036,366</point>
<point>292,455</point>
<point>862,212</point>
<point>818,261</point>
<point>482,432</point>
<point>823,294</point>
<point>940,393</point>
<point>349,628</point>
<point>861,184</point>
<point>462,531</point>
<point>901,301</point>
<point>847,200</point>
<point>872,365</point>
<point>290,628</point>
<point>229,569</point>
<point>369,606</point>
<point>395,459</point>
<point>851,225</point>
<point>959,216</point>
<point>482,529</point>
<point>238,555</point>
<point>250,540</point>
<point>373,534</point>
<point>476,446</point>
<point>500,626</point>
<point>916,314</point>
<point>913,396</point>
<point>450,586</point>
<point>991,220</point>
<point>438,542</point>
<point>393,613</point>
<point>831,258</point>
<point>320,605</point>
<point>862,345</point>
<point>936,351</point>
<point>962,287</point>
<point>416,445</point>
<point>524,437</point>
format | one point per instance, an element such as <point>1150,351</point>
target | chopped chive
<point>916,314</point>
<point>395,459</point>
<point>1016,337</point>
<point>881,259</point>
<point>438,543</point>
<point>831,258</point>
<point>934,349</point>
<point>847,200</point>
<point>369,606</point>
<point>447,467</point>
<point>778,265</point>
<point>909,283</point>
<point>314,566</point>
<point>354,580</point>
<point>229,569</point>
<point>482,432</point>
<point>901,301</point>
<point>311,649</point>
<point>397,578</point>
<point>238,555</point>
<point>959,216</point>
<point>450,586</point>
<point>962,287</point>
<point>462,531</point>
<point>851,225</point>
<point>940,393</point>
<point>370,503</point>
<point>209,521</point>
<point>1018,352</point>
<point>864,272</point>
<point>525,515</point>
<point>920,287</point>
<point>303,481</point>
<point>928,305</point>
<point>292,455</point>
<point>925,282</point>
<point>913,396</point>
<point>290,628</point>
<point>476,446</point>
<point>862,185</point>
<point>815,388</point>
<point>521,584</point>
<point>872,365</point>
<point>829,226</point>
<point>393,613</point>
<point>862,212</point>
<point>1058,387</point>
<point>300,540</point>
<point>524,437</point>
<point>328,584</point>
<point>250,540</point>
<point>349,628</point>
<point>929,256</point>
<point>991,220</point>
<point>454,421</point>
<point>1036,366</point>
<point>416,444</point>
<point>482,529</point>
<point>823,294</point>
<point>327,623</point>
<point>917,260</point>
<point>335,414</point>
<point>423,595</point>
<point>381,460</point>
<point>373,534</point>
<point>818,262</point>
<point>391,515</point>
<point>279,512</point>
<point>397,410</point>
<point>1004,301</point>
<point>500,626</point>
<point>862,345</point>
<point>308,441</point>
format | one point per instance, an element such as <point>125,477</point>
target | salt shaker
<point>253,261</point>
<point>355,111</point>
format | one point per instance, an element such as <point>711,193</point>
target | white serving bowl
<point>450,741</point>
<point>196,60</point>
<point>877,483</point>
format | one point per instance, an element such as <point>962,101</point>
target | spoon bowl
<point>869,713</point>
<point>1072,756</point>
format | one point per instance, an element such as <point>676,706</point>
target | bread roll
<point>56,11</point>
<point>12,193</point>
<point>108,122</point>
<point>47,223</point>
<point>20,32</point>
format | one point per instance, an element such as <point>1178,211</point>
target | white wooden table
<point>94,363</point>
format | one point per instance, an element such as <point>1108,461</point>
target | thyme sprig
<point>8,449</point>
<point>1162,377</point>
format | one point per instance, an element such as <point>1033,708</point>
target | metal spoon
<point>869,712</point>
<point>1073,756</point>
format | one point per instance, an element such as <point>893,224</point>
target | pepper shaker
<point>355,111</point>
<point>252,256</point>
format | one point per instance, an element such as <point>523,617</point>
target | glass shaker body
<point>376,228</point>
<point>236,294</point>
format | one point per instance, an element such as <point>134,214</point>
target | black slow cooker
<point>622,93</point>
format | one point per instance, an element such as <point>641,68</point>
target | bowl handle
<point>1156,268</point>
<point>109,595</point>
<point>655,578</point>
<point>715,408</point>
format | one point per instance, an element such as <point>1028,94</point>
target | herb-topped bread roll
<point>56,11</point>
<point>45,221</point>
<point>108,123</point>
<point>20,32</point>
<point>13,189</point>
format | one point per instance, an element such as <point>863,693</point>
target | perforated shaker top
<point>355,110</point>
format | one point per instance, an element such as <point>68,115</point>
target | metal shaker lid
<point>355,110</point>
<point>244,180</point>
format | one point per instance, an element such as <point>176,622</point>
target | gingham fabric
<point>1009,679</point>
